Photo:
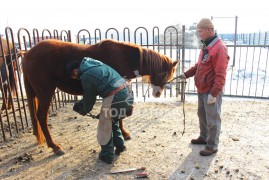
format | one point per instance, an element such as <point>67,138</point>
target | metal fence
<point>247,71</point>
<point>246,77</point>
<point>260,38</point>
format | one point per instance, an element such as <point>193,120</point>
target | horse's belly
<point>73,87</point>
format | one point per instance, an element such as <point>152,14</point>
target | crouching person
<point>96,79</point>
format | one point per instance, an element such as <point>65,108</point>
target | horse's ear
<point>175,63</point>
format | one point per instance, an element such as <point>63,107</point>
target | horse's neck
<point>144,67</point>
<point>151,63</point>
<point>98,52</point>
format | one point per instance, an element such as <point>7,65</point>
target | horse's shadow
<point>194,165</point>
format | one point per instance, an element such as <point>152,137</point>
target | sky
<point>103,14</point>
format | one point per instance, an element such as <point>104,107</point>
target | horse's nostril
<point>158,94</point>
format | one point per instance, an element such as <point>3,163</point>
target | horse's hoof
<point>60,152</point>
<point>127,138</point>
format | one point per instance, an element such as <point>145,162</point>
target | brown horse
<point>44,70</point>
<point>7,72</point>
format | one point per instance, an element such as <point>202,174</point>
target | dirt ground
<point>157,144</point>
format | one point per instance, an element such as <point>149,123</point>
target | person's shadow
<point>194,165</point>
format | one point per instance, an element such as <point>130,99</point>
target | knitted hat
<point>205,23</point>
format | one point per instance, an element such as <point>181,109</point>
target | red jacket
<point>210,70</point>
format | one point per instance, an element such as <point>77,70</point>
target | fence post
<point>235,40</point>
<point>69,36</point>
<point>265,39</point>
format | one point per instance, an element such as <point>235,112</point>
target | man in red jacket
<point>209,76</point>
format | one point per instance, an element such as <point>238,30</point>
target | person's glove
<point>211,99</point>
<point>182,77</point>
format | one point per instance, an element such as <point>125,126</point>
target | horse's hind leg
<point>42,114</point>
<point>4,94</point>
<point>8,101</point>
<point>125,134</point>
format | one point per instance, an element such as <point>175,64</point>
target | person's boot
<point>198,141</point>
<point>208,151</point>
<point>106,159</point>
<point>120,149</point>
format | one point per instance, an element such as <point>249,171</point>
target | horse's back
<point>52,54</point>
<point>47,60</point>
<point>53,47</point>
<point>44,65</point>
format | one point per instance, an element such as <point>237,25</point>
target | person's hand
<point>182,77</point>
<point>211,99</point>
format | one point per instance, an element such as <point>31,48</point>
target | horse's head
<point>159,68</point>
<point>159,80</point>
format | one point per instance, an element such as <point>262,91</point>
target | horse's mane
<point>148,57</point>
<point>157,62</point>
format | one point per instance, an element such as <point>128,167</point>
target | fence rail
<point>246,77</point>
<point>247,74</point>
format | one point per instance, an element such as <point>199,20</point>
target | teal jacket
<point>96,78</point>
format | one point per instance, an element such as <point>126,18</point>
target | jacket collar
<point>210,41</point>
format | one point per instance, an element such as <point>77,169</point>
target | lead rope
<point>184,115</point>
<point>146,93</point>
<point>183,107</point>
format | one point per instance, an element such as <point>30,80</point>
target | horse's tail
<point>33,104</point>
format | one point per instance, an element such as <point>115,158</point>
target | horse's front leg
<point>125,134</point>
